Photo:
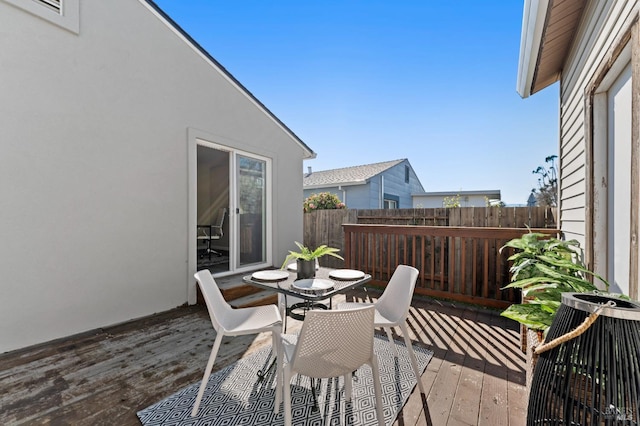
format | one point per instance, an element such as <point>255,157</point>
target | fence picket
<point>456,257</point>
<point>445,263</point>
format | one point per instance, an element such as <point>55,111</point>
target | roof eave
<point>447,193</point>
<point>334,185</point>
<point>533,23</point>
<point>164,17</point>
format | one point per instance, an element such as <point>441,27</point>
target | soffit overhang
<point>548,30</point>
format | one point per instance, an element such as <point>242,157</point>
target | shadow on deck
<point>476,376</point>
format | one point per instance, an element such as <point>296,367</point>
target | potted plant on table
<point>306,259</point>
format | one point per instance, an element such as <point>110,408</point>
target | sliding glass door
<point>214,236</point>
<point>232,209</point>
<point>252,210</point>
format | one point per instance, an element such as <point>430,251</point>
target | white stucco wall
<point>94,167</point>
<point>437,201</point>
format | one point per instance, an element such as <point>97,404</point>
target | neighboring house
<point>466,198</point>
<point>120,134</point>
<point>593,49</point>
<point>386,185</point>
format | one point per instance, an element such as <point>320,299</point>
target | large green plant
<point>306,253</point>
<point>543,268</point>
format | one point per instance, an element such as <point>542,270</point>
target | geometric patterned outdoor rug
<point>235,397</point>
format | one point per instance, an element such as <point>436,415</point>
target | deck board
<point>476,376</point>
<point>493,403</point>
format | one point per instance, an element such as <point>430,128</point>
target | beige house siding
<point>602,24</point>
<point>599,152</point>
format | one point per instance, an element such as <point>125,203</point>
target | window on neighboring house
<point>63,13</point>
<point>390,201</point>
<point>406,174</point>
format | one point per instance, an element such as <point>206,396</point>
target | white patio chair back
<point>333,343</point>
<point>392,310</point>
<point>395,301</point>
<point>219,309</point>
<point>235,322</point>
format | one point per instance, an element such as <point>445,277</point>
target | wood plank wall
<point>325,226</point>
<point>494,217</point>
<point>454,262</point>
<point>448,262</point>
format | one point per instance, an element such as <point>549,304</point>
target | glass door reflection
<point>251,202</point>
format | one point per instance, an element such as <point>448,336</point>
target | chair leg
<point>313,394</point>
<point>287,396</point>
<point>277,352</point>
<point>282,307</point>
<point>391,341</point>
<point>412,356</point>
<point>348,386</point>
<point>377,389</point>
<point>207,373</point>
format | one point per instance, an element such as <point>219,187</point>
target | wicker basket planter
<point>532,339</point>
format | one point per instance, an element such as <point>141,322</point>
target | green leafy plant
<point>451,202</point>
<point>543,268</point>
<point>322,201</point>
<point>306,253</point>
<point>547,192</point>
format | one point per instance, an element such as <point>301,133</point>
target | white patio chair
<point>392,309</point>
<point>331,344</point>
<point>235,322</point>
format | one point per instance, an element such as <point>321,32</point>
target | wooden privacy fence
<point>458,263</point>
<point>497,217</point>
<point>325,226</point>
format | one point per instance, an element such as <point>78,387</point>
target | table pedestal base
<point>263,373</point>
<point>294,310</point>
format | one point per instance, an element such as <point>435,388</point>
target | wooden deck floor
<point>476,376</point>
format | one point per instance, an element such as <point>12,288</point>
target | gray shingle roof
<point>347,175</point>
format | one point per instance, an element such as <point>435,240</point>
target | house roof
<point>491,193</point>
<point>309,153</point>
<point>354,175</point>
<point>548,29</point>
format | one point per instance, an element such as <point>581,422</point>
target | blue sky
<point>368,81</point>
